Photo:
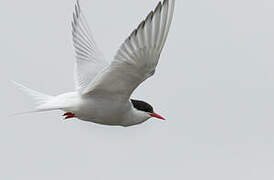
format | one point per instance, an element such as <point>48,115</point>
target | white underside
<point>99,110</point>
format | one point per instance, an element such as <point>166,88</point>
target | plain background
<point>214,84</point>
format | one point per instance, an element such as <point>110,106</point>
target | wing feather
<point>138,56</point>
<point>89,59</point>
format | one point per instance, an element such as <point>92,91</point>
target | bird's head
<point>146,109</point>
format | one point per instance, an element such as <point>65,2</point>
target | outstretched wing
<point>137,57</point>
<point>89,59</point>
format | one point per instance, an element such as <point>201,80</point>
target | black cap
<point>142,106</point>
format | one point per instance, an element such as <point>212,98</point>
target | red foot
<point>69,115</point>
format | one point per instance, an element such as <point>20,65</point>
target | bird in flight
<point>103,89</point>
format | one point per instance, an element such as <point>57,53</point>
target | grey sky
<point>214,84</point>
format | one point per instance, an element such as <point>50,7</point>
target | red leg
<point>69,115</point>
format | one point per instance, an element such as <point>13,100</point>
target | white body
<point>103,89</point>
<point>99,109</point>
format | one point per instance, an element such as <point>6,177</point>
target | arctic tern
<point>103,89</point>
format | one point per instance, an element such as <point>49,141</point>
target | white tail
<point>40,99</point>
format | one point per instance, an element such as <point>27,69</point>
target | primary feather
<point>138,56</point>
<point>89,59</point>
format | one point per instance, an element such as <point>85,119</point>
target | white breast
<point>103,111</point>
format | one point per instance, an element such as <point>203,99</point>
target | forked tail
<point>41,100</point>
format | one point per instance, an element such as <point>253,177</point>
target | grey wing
<point>89,59</point>
<point>138,56</point>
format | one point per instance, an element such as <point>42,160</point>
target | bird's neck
<point>135,117</point>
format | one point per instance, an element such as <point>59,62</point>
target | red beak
<point>157,116</point>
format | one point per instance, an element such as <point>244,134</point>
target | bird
<point>103,89</point>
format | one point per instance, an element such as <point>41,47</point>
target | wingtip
<point>77,8</point>
<point>78,4</point>
<point>158,7</point>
